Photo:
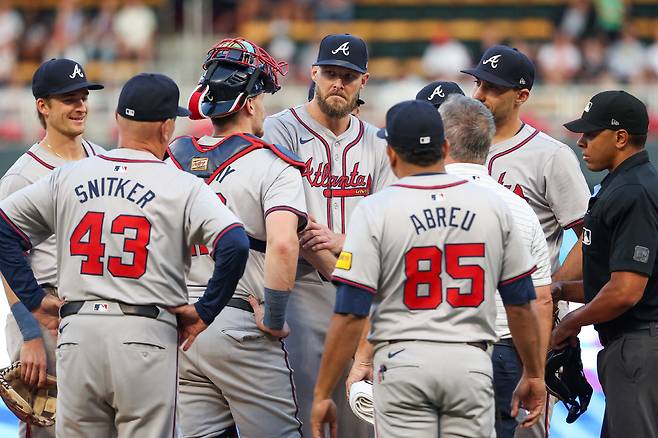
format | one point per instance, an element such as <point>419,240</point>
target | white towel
<point>361,401</point>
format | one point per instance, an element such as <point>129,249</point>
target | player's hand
<point>557,291</point>
<point>359,371</point>
<point>317,237</point>
<point>190,324</point>
<point>529,394</point>
<point>33,362</point>
<point>48,313</point>
<point>259,314</point>
<point>323,412</point>
<point>565,333</point>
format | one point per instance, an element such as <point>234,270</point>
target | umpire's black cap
<point>612,110</point>
<point>506,67</point>
<point>413,124</point>
<point>60,76</point>
<point>438,91</point>
<point>150,97</point>
<point>343,50</point>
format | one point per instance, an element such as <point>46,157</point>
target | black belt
<point>146,310</point>
<point>607,337</point>
<point>506,342</point>
<point>241,304</point>
<point>482,345</point>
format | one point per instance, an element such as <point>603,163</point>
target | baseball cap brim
<point>76,87</point>
<point>183,112</point>
<point>382,133</point>
<point>486,76</point>
<point>341,63</point>
<point>582,126</point>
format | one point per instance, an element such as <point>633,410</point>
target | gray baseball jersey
<point>30,167</point>
<point>434,242</point>
<point>527,223</point>
<point>120,194</point>
<point>545,173</point>
<point>433,248</point>
<point>118,241</point>
<point>252,186</point>
<point>234,373</point>
<point>340,170</point>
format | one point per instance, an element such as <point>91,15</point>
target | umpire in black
<point>620,268</point>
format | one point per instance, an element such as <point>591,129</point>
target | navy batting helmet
<point>566,380</point>
<point>234,70</point>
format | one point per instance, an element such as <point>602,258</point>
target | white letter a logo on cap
<point>438,91</point>
<point>493,61</point>
<point>345,48</point>
<point>77,71</point>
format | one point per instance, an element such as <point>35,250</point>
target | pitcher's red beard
<point>338,107</point>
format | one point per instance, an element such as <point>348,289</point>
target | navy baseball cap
<point>612,110</point>
<point>60,76</point>
<point>506,67</point>
<point>413,124</point>
<point>150,97</point>
<point>344,50</point>
<point>438,91</point>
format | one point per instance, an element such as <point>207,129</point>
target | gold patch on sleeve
<point>344,261</point>
<point>199,163</point>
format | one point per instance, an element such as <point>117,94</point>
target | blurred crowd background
<point>579,47</point>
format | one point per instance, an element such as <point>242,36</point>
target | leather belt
<point>146,310</point>
<point>608,337</point>
<point>257,245</point>
<point>241,304</point>
<point>482,345</point>
<point>507,342</point>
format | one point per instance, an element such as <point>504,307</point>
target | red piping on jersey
<point>353,283</point>
<point>18,231</point>
<point>574,223</point>
<point>301,214</point>
<point>221,233</point>
<point>173,159</point>
<point>230,160</point>
<point>40,161</point>
<point>547,422</point>
<point>91,148</point>
<point>444,186</point>
<point>328,150</point>
<point>173,432</point>
<point>342,199</point>
<point>512,149</point>
<point>298,164</point>
<point>128,160</point>
<point>518,277</point>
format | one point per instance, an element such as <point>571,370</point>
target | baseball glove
<point>30,404</point>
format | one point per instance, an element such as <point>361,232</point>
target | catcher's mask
<point>566,380</point>
<point>234,70</point>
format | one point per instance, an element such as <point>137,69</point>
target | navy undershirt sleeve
<point>352,300</point>
<point>15,266</point>
<point>517,292</point>
<point>231,252</point>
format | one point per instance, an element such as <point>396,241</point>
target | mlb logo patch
<point>439,197</point>
<point>101,307</point>
<point>199,163</point>
<point>121,169</point>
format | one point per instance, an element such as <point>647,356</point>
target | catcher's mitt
<point>30,404</point>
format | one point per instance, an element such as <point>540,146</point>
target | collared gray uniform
<point>118,241</point>
<point>34,164</point>
<point>546,173</point>
<point>433,250</point>
<point>340,171</point>
<point>235,373</point>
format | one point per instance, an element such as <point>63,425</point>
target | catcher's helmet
<point>234,70</point>
<point>566,380</point>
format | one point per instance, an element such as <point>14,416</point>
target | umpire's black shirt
<point>621,234</point>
